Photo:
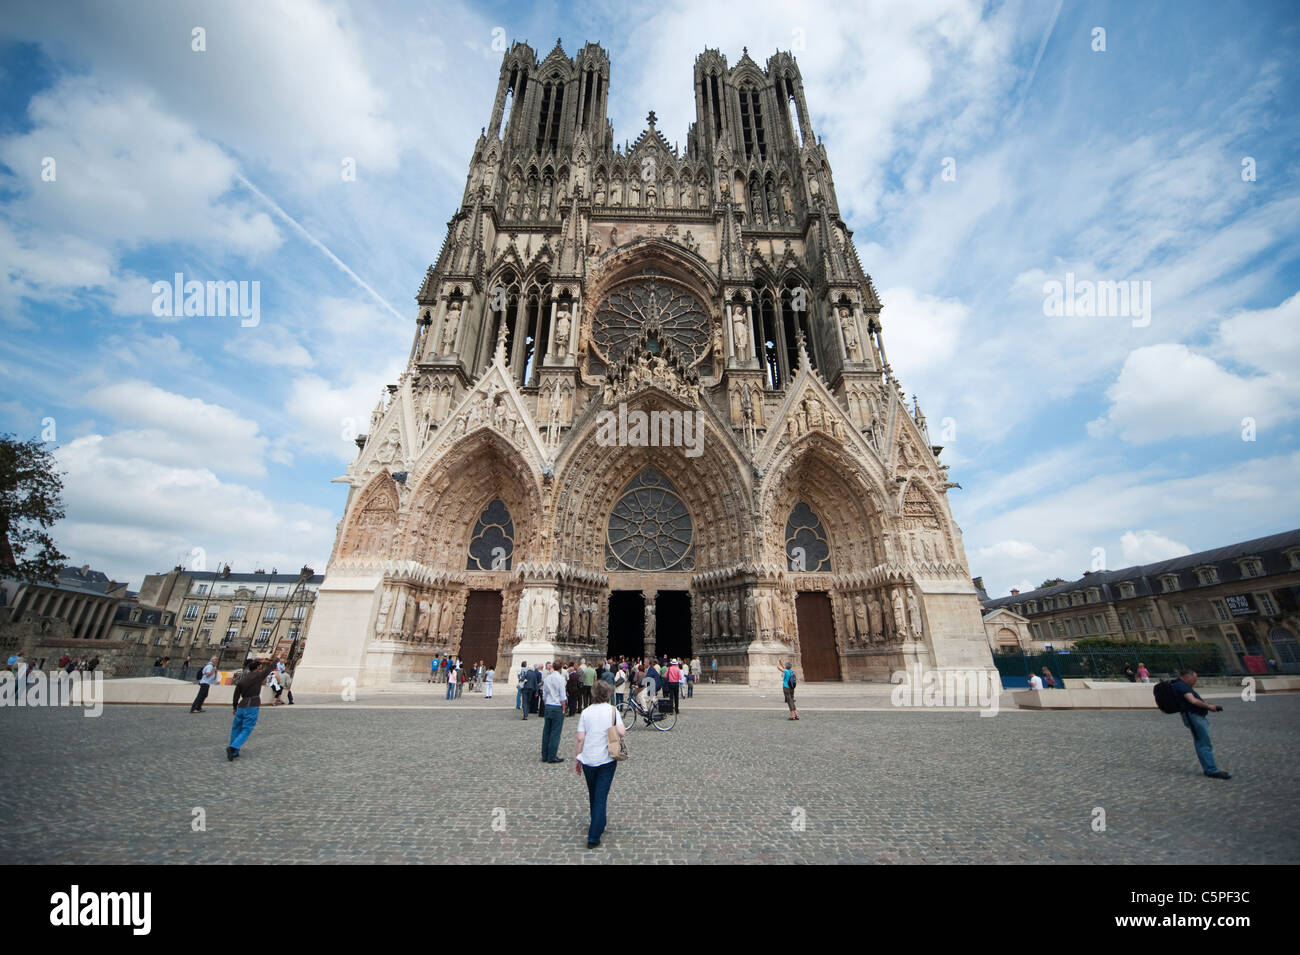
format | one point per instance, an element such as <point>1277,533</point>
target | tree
<point>1051,583</point>
<point>31,501</point>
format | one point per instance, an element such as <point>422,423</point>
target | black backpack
<point>794,680</point>
<point>1167,697</point>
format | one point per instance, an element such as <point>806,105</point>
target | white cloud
<point>167,428</point>
<point>1169,391</point>
<point>921,331</point>
<point>1149,547</point>
<point>129,515</point>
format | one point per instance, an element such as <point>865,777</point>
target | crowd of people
<point>644,680</point>
<point>461,678</point>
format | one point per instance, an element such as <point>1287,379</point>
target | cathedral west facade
<point>647,410</point>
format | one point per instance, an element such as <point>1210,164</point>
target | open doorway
<point>626,624</point>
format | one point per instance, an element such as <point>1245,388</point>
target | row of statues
<point>427,616</point>
<point>883,616</point>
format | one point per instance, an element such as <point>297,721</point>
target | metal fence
<point>1084,664</point>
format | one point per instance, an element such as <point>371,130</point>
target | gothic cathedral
<point>647,411</point>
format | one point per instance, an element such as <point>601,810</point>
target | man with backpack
<point>206,680</point>
<point>1194,711</point>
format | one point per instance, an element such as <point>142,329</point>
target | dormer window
<point>1252,567</point>
<point>1126,590</point>
<point>1169,583</point>
<point>1207,575</point>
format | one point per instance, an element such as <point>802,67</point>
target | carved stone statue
<point>649,620</point>
<point>562,328</point>
<point>422,626</point>
<point>385,604</point>
<point>851,343</point>
<point>615,192</point>
<point>446,617</point>
<point>599,196</point>
<point>740,332</point>
<point>765,616</point>
<point>914,614</point>
<point>787,198</point>
<point>877,622</point>
<point>900,620</point>
<point>450,323</point>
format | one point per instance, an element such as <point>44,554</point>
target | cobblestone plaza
<point>407,777</point>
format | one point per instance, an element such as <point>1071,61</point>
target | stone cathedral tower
<point>647,410</point>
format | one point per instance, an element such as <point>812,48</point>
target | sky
<point>980,151</point>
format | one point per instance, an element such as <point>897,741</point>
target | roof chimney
<point>1014,592</point>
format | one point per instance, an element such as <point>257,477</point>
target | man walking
<point>588,681</point>
<point>531,681</point>
<point>247,706</point>
<point>674,685</point>
<point>206,680</point>
<point>1195,712</point>
<point>519,685</point>
<point>553,696</point>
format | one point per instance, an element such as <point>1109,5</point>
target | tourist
<point>1143,673</point>
<point>1049,681</point>
<point>286,678</point>
<point>1035,681</point>
<point>433,670</point>
<point>607,673</point>
<point>573,686</point>
<point>1194,710</point>
<point>451,680</point>
<point>273,681</point>
<point>593,759</point>
<point>646,688</point>
<point>554,694</point>
<point>206,680</point>
<point>715,669</point>
<point>1129,674</point>
<point>688,675</point>
<point>588,681</point>
<point>487,682</point>
<point>247,705</point>
<point>674,677</point>
<point>185,669</point>
<point>788,682</point>
<point>519,685</point>
<point>529,682</point>
<point>620,683</point>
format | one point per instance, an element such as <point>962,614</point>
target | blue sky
<point>1067,434</point>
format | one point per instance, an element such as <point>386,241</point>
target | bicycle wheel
<point>663,722</point>
<point>628,715</point>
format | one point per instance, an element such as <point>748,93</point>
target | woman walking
<point>788,683</point>
<point>487,682</point>
<point>593,759</point>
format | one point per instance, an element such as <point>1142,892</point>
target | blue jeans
<point>519,698</point>
<point>551,732</point>
<point>451,690</point>
<point>242,728</point>
<point>1200,727</point>
<point>599,779</point>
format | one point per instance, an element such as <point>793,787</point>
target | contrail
<point>1038,58</point>
<point>316,242</point>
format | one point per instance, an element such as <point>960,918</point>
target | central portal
<point>626,624</point>
<point>673,624</point>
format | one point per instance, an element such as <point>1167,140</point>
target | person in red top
<point>674,677</point>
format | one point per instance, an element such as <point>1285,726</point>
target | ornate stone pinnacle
<point>499,355</point>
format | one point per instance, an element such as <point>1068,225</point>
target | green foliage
<point>1051,583</point>
<point>31,501</point>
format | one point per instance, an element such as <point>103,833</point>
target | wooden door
<point>821,661</point>
<point>481,634</point>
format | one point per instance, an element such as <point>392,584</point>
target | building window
<point>1126,621</point>
<point>1233,640</point>
<point>237,613</point>
<point>1146,619</point>
<point>1126,590</point>
<point>231,634</point>
<point>206,635</point>
<point>293,634</point>
<point>1100,622</point>
<point>1293,556</point>
<point>279,591</point>
<point>1038,631</point>
<point>1181,612</point>
<point>1169,583</point>
<point>1266,605</point>
<point>203,589</point>
<point>1069,627</point>
<point>1207,575</point>
<point>269,616</point>
<point>1252,567</point>
<point>1094,595</point>
<point>299,613</point>
<point>192,612</point>
<point>1220,610</point>
<point>263,635</point>
<point>210,614</point>
<point>1033,606</point>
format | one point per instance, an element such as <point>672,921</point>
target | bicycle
<point>630,713</point>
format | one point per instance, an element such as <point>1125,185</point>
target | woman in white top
<point>487,682</point>
<point>593,760</point>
